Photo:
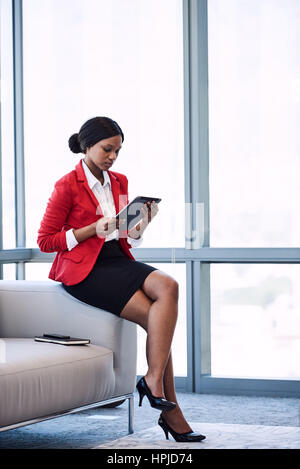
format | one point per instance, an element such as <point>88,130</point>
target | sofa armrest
<point>29,308</point>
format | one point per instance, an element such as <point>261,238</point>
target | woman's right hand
<point>106,225</point>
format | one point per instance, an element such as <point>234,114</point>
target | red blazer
<point>73,204</point>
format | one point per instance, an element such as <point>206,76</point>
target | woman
<point>93,257</point>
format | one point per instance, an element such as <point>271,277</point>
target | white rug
<point>218,436</point>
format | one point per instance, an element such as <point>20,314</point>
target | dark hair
<point>92,131</point>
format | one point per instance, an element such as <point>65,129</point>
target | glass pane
<point>122,59</point>
<point>9,271</point>
<point>7,126</point>
<point>254,104</point>
<point>179,344</point>
<point>255,320</point>
<point>38,271</point>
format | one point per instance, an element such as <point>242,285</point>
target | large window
<point>122,59</point>
<point>255,320</point>
<point>7,129</point>
<point>254,106</point>
<point>254,144</point>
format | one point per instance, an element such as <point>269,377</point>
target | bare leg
<point>158,318</point>
<point>173,417</point>
<point>162,319</point>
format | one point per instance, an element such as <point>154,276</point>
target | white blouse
<point>103,194</point>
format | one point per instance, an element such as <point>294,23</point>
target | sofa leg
<point>130,414</point>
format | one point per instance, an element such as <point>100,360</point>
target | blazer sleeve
<point>51,237</point>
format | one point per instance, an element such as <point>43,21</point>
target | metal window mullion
<point>190,383</point>
<point>19,131</point>
<point>196,118</point>
<point>208,255</point>
<point>196,185</point>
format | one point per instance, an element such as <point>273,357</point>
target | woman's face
<point>104,153</point>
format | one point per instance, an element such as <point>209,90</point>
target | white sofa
<point>38,380</point>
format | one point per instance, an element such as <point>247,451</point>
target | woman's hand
<point>148,211</point>
<point>107,225</point>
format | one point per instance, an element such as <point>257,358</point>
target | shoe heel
<point>141,399</point>
<point>160,423</point>
<point>157,402</point>
<point>181,437</point>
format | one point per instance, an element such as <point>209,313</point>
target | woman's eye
<point>109,149</point>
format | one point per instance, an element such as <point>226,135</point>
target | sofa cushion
<point>39,379</point>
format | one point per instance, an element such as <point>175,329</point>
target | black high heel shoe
<point>157,402</point>
<point>181,437</point>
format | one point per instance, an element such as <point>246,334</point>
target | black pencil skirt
<point>112,281</point>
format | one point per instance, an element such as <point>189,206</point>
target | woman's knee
<point>173,288</point>
<point>169,287</point>
<point>159,284</point>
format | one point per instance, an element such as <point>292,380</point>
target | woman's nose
<point>113,155</point>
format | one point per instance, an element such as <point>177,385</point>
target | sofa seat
<point>39,379</point>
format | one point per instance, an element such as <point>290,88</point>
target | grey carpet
<point>100,426</point>
<point>218,436</point>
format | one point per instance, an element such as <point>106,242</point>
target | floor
<point>99,426</point>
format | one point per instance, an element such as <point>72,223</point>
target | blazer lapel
<point>115,187</point>
<point>81,177</point>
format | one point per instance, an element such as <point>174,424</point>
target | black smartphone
<point>56,336</point>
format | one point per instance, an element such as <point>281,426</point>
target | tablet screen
<point>132,211</point>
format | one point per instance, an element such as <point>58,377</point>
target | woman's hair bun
<point>74,144</point>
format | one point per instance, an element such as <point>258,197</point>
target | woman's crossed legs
<point>155,308</point>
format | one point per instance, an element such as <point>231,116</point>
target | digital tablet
<point>132,212</point>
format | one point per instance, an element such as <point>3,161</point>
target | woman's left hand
<point>149,211</point>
